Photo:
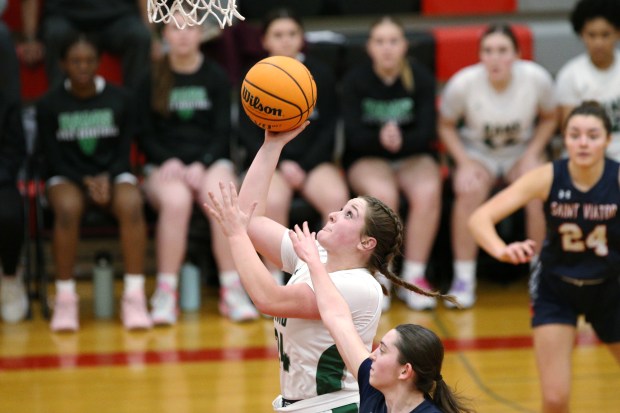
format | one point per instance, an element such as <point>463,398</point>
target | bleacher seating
<point>443,35</point>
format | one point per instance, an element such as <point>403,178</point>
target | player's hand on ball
<point>285,137</point>
<point>226,211</point>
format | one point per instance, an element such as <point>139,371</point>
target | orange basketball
<point>278,93</point>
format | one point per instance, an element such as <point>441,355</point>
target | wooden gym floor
<point>208,364</point>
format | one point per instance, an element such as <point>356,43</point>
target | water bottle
<point>190,288</point>
<point>103,279</point>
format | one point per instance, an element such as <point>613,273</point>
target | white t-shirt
<point>494,123</point>
<point>580,80</point>
<point>309,361</point>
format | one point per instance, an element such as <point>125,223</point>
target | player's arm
<point>534,184</point>
<point>450,138</point>
<point>545,128</point>
<point>332,306</point>
<point>270,298</point>
<point>297,300</point>
<point>265,233</point>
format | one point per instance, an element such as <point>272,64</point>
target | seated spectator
<point>390,130</point>
<point>595,74</point>
<point>116,25</point>
<point>306,167</point>
<point>185,106</point>
<point>509,115</point>
<point>85,128</point>
<point>12,153</point>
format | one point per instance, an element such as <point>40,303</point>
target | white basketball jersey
<point>497,120</point>
<point>580,80</point>
<point>310,364</point>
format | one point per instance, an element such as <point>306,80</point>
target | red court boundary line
<point>141,358</point>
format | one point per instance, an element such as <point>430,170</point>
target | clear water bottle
<point>103,280</point>
<point>190,288</point>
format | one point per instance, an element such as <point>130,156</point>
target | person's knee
<point>555,402</point>
<point>176,203</point>
<point>388,194</point>
<point>128,203</point>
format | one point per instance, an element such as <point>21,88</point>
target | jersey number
<point>572,239</point>
<point>284,359</point>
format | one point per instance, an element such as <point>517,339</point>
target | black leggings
<point>11,228</point>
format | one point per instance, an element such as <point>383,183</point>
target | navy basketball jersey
<point>583,228</point>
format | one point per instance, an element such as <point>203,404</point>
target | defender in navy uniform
<point>579,269</point>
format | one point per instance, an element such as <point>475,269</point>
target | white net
<point>192,12</point>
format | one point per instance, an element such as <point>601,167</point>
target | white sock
<point>465,270</point>
<point>228,278</point>
<point>134,282</point>
<point>169,279</point>
<point>65,286</point>
<point>413,270</point>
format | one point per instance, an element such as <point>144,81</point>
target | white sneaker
<point>386,301</point>
<point>164,305</point>
<point>417,301</point>
<point>464,292</point>
<point>14,299</point>
<point>235,303</point>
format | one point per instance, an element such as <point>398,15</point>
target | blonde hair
<point>406,73</point>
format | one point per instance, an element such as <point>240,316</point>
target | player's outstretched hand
<point>226,211</point>
<point>304,243</point>
<point>285,137</point>
<point>518,252</point>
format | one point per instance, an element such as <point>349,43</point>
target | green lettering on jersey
<point>88,145</point>
<point>382,111</point>
<point>185,100</point>
<point>329,371</point>
<point>284,358</point>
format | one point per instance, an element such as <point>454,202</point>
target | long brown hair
<point>424,351</point>
<point>386,228</point>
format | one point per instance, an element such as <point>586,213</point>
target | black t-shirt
<point>368,103</point>
<point>372,400</point>
<point>197,127</point>
<point>85,137</point>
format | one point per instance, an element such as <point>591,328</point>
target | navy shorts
<point>555,301</point>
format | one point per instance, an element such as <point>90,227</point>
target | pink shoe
<point>235,303</point>
<point>65,317</point>
<point>417,301</point>
<point>133,311</point>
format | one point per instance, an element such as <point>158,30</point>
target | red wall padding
<point>457,47</point>
<point>438,7</point>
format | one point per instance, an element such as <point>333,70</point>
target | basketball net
<point>192,12</point>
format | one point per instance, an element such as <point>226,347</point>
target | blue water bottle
<point>190,289</point>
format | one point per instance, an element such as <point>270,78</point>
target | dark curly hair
<point>587,10</point>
